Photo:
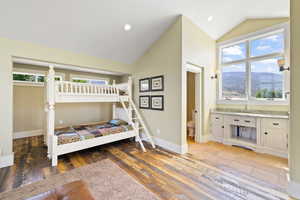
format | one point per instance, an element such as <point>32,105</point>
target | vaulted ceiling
<point>95,27</point>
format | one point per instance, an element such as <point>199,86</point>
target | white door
<point>198,111</point>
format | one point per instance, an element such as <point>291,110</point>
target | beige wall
<point>190,95</point>
<point>163,58</point>
<point>29,111</point>
<point>183,42</point>
<point>9,48</point>
<point>246,27</point>
<point>200,49</point>
<point>250,26</point>
<point>295,93</point>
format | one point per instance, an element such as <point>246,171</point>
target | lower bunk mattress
<point>88,131</point>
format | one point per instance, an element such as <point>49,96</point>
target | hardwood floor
<point>159,170</point>
<point>243,162</point>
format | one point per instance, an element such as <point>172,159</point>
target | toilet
<point>191,127</point>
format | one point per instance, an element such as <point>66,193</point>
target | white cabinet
<point>217,127</point>
<point>261,133</point>
<point>274,134</point>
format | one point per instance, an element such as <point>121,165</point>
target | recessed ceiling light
<point>210,18</point>
<point>127,27</point>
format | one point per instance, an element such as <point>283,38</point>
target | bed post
<point>50,110</point>
<point>130,97</point>
<point>114,105</point>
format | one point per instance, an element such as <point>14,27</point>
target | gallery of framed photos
<point>150,85</point>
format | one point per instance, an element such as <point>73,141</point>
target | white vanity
<point>264,133</point>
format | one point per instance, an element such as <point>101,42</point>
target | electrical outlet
<point>60,121</point>
<point>158,131</point>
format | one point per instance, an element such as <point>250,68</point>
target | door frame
<point>199,101</point>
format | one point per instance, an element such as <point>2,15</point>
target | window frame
<point>282,28</point>
<point>88,78</point>
<point>34,73</point>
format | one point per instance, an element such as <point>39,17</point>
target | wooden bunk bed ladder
<point>137,119</point>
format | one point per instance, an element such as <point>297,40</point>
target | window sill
<point>254,102</point>
<point>28,84</point>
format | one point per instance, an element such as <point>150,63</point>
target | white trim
<point>199,71</point>
<point>284,27</point>
<point>24,134</point>
<point>254,34</point>
<point>35,73</point>
<point>7,160</point>
<point>28,84</point>
<point>274,152</point>
<point>88,78</point>
<point>207,138</point>
<point>253,102</point>
<point>294,189</point>
<point>62,66</point>
<point>180,149</point>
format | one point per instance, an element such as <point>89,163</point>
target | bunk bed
<point>74,138</point>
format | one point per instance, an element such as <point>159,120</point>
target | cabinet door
<point>217,126</point>
<point>217,130</point>
<point>274,134</point>
<point>275,139</point>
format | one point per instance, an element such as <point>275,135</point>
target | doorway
<point>194,105</point>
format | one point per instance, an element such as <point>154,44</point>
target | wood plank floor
<point>31,165</point>
<point>243,162</point>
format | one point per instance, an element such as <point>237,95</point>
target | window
<point>32,78</point>
<point>234,53</point>
<point>231,75</point>
<point>266,79</point>
<point>90,81</point>
<point>249,70</point>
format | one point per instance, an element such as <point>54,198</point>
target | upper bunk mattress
<point>83,132</point>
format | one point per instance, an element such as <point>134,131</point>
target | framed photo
<point>157,83</point>
<point>144,85</point>
<point>144,102</point>
<point>157,102</point>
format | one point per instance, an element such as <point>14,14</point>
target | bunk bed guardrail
<point>74,88</point>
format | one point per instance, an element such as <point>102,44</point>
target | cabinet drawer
<point>242,121</point>
<point>275,123</point>
<point>217,119</point>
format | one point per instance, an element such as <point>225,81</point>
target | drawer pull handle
<point>217,117</point>
<point>275,124</point>
<point>266,133</point>
<point>236,120</point>
<point>247,121</point>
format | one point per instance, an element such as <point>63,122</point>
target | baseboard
<point>206,138</point>
<point>265,150</point>
<point>7,160</point>
<point>180,149</point>
<point>23,134</point>
<point>294,190</point>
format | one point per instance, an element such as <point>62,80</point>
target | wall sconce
<point>281,64</point>
<point>216,75</point>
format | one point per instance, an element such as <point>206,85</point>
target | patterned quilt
<point>83,132</point>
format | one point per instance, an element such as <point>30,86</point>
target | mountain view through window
<point>254,74</point>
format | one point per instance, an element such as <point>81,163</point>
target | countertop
<point>253,114</point>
